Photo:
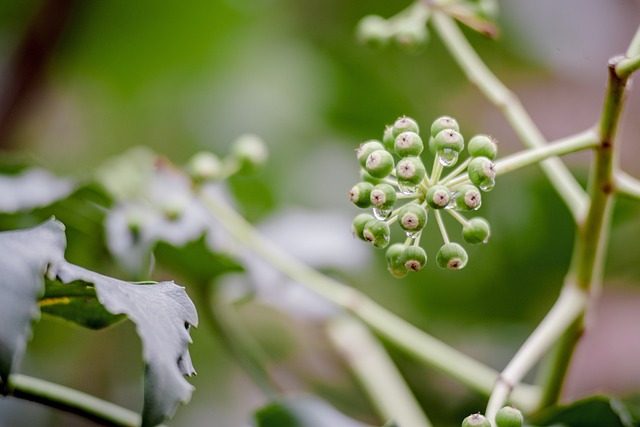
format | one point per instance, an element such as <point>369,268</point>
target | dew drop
<point>407,190</point>
<point>488,184</point>
<point>413,234</point>
<point>381,214</point>
<point>447,157</point>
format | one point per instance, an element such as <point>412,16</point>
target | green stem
<point>587,262</point>
<point>72,401</point>
<point>441,227</point>
<point>626,185</point>
<point>394,329</point>
<point>243,349</point>
<point>480,75</point>
<point>377,373</point>
<point>458,170</point>
<point>634,46</point>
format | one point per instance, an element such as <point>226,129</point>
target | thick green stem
<point>376,372</point>
<point>72,401</point>
<point>591,238</point>
<point>394,329</point>
<point>480,75</point>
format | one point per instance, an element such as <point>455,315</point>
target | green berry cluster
<point>392,171</point>
<point>507,416</point>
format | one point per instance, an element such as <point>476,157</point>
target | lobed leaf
<point>595,411</point>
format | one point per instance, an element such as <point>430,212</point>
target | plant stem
<point>587,262</point>
<point>72,401</point>
<point>394,329</point>
<point>510,106</point>
<point>569,306</point>
<point>376,372</point>
<point>626,185</point>
<point>441,227</point>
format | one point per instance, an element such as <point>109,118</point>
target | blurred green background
<point>185,77</point>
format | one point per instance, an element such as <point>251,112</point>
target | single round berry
<point>411,37</point>
<point>410,171</point>
<point>408,144</point>
<point>366,148</point>
<point>404,124</point>
<point>449,139</point>
<point>442,123</point>
<point>377,233</point>
<point>476,230</point>
<point>476,420</point>
<point>451,256</point>
<point>482,172</point>
<point>205,166</point>
<point>412,217</point>
<point>379,164</point>
<point>438,196</point>
<point>467,198</point>
<point>393,256</point>
<point>373,30</point>
<point>383,196</point>
<point>359,222</point>
<point>388,140</point>
<point>360,194</point>
<point>414,258</point>
<point>482,146</point>
<point>509,417</point>
<point>250,153</point>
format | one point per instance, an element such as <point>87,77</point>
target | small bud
<point>359,222</point>
<point>250,152</point>
<point>466,198</point>
<point>482,146</point>
<point>410,171</point>
<point>438,196</point>
<point>383,196</point>
<point>414,258</point>
<point>412,217</point>
<point>509,417</point>
<point>373,30</point>
<point>411,37</point>
<point>360,194</point>
<point>476,231</point>
<point>449,139</point>
<point>405,124</point>
<point>442,123</point>
<point>379,164</point>
<point>452,256</point>
<point>482,173</point>
<point>408,144</point>
<point>377,233</point>
<point>388,140</point>
<point>205,166</point>
<point>366,148</point>
<point>393,256</point>
<point>476,420</point>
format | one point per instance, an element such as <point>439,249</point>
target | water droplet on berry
<point>407,190</point>
<point>381,214</point>
<point>447,157</point>
<point>487,185</point>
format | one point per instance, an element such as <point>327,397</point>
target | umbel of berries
<point>399,188</point>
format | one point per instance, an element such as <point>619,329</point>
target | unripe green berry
<point>379,163</point>
<point>383,196</point>
<point>393,257</point>
<point>373,30</point>
<point>477,230</point>
<point>452,256</point>
<point>411,36</point>
<point>405,124</point>
<point>509,417</point>
<point>366,148</point>
<point>476,420</point>
<point>377,233</point>
<point>482,146</point>
<point>412,217</point>
<point>205,166</point>
<point>414,258</point>
<point>408,144</point>
<point>482,172</point>
<point>432,145</point>
<point>410,171</point>
<point>449,139</point>
<point>250,152</point>
<point>466,198</point>
<point>438,196</point>
<point>359,222</point>
<point>360,194</point>
<point>388,140</point>
<point>442,123</point>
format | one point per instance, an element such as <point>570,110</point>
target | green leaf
<point>302,411</point>
<point>76,302</point>
<point>24,258</point>
<point>162,312</point>
<point>596,411</point>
